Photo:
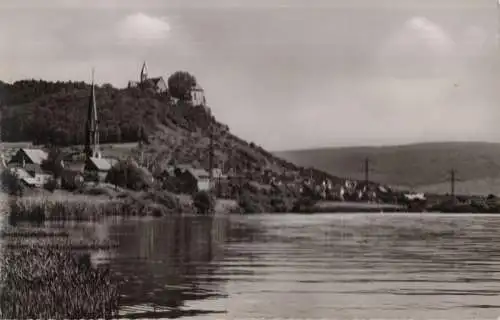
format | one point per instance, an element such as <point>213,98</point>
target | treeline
<point>25,91</point>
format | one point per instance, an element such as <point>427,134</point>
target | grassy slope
<point>422,166</point>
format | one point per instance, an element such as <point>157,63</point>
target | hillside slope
<point>55,113</point>
<point>424,166</point>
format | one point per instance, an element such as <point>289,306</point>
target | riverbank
<point>77,207</point>
<point>80,207</point>
<point>337,206</point>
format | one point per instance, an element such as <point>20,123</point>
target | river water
<point>352,266</point>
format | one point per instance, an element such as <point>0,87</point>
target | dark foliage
<point>280,204</point>
<point>304,204</point>
<point>180,83</point>
<point>58,117</point>
<point>53,164</point>
<point>10,183</point>
<point>250,202</point>
<point>51,185</point>
<point>127,174</point>
<point>204,202</point>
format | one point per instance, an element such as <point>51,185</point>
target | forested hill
<point>54,113</point>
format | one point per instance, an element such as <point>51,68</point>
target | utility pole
<point>452,181</point>
<point>219,187</point>
<point>367,170</point>
<point>211,155</point>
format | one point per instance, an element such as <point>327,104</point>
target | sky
<point>284,74</point>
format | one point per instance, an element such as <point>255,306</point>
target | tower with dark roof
<point>91,128</point>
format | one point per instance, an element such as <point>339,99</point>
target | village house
<point>32,175</point>
<point>190,179</point>
<point>26,164</point>
<point>195,180</point>
<point>158,84</point>
<point>28,156</point>
<point>99,167</point>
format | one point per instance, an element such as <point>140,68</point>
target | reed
<point>44,283</point>
<point>79,208</point>
<point>10,232</point>
<point>59,243</point>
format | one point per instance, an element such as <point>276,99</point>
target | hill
<point>54,113</point>
<point>423,166</point>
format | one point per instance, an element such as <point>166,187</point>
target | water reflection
<point>306,266</point>
<point>158,263</point>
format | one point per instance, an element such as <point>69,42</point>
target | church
<point>158,84</point>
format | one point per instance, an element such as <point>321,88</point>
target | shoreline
<point>84,207</point>
<point>348,206</point>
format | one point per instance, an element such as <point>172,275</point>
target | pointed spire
<point>92,133</point>
<point>144,72</point>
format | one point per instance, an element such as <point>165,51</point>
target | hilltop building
<point>198,96</point>
<point>158,84</point>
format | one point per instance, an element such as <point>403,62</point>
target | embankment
<point>338,206</point>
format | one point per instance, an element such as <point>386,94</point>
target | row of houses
<point>27,165</point>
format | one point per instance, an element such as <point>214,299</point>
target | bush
<point>51,185</point>
<point>279,204</point>
<point>204,202</point>
<point>304,204</point>
<point>164,198</point>
<point>10,183</point>
<point>251,203</point>
<point>127,174</point>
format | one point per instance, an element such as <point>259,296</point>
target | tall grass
<point>17,242</point>
<point>44,283</point>
<point>81,207</point>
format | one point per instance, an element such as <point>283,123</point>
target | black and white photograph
<point>250,159</point>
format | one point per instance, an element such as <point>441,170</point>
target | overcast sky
<point>285,74</point>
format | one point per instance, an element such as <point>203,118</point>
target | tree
<point>204,202</point>
<point>10,183</point>
<point>129,175</point>
<point>180,84</point>
<point>53,164</point>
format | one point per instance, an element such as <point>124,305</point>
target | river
<point>352,266</point>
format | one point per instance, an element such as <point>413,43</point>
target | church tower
<point>144,73</point>
<point>91,129</point>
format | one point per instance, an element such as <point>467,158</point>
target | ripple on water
<point>366,266</point>
<point>309,266</point>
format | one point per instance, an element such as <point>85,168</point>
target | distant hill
<point>423,167</point>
